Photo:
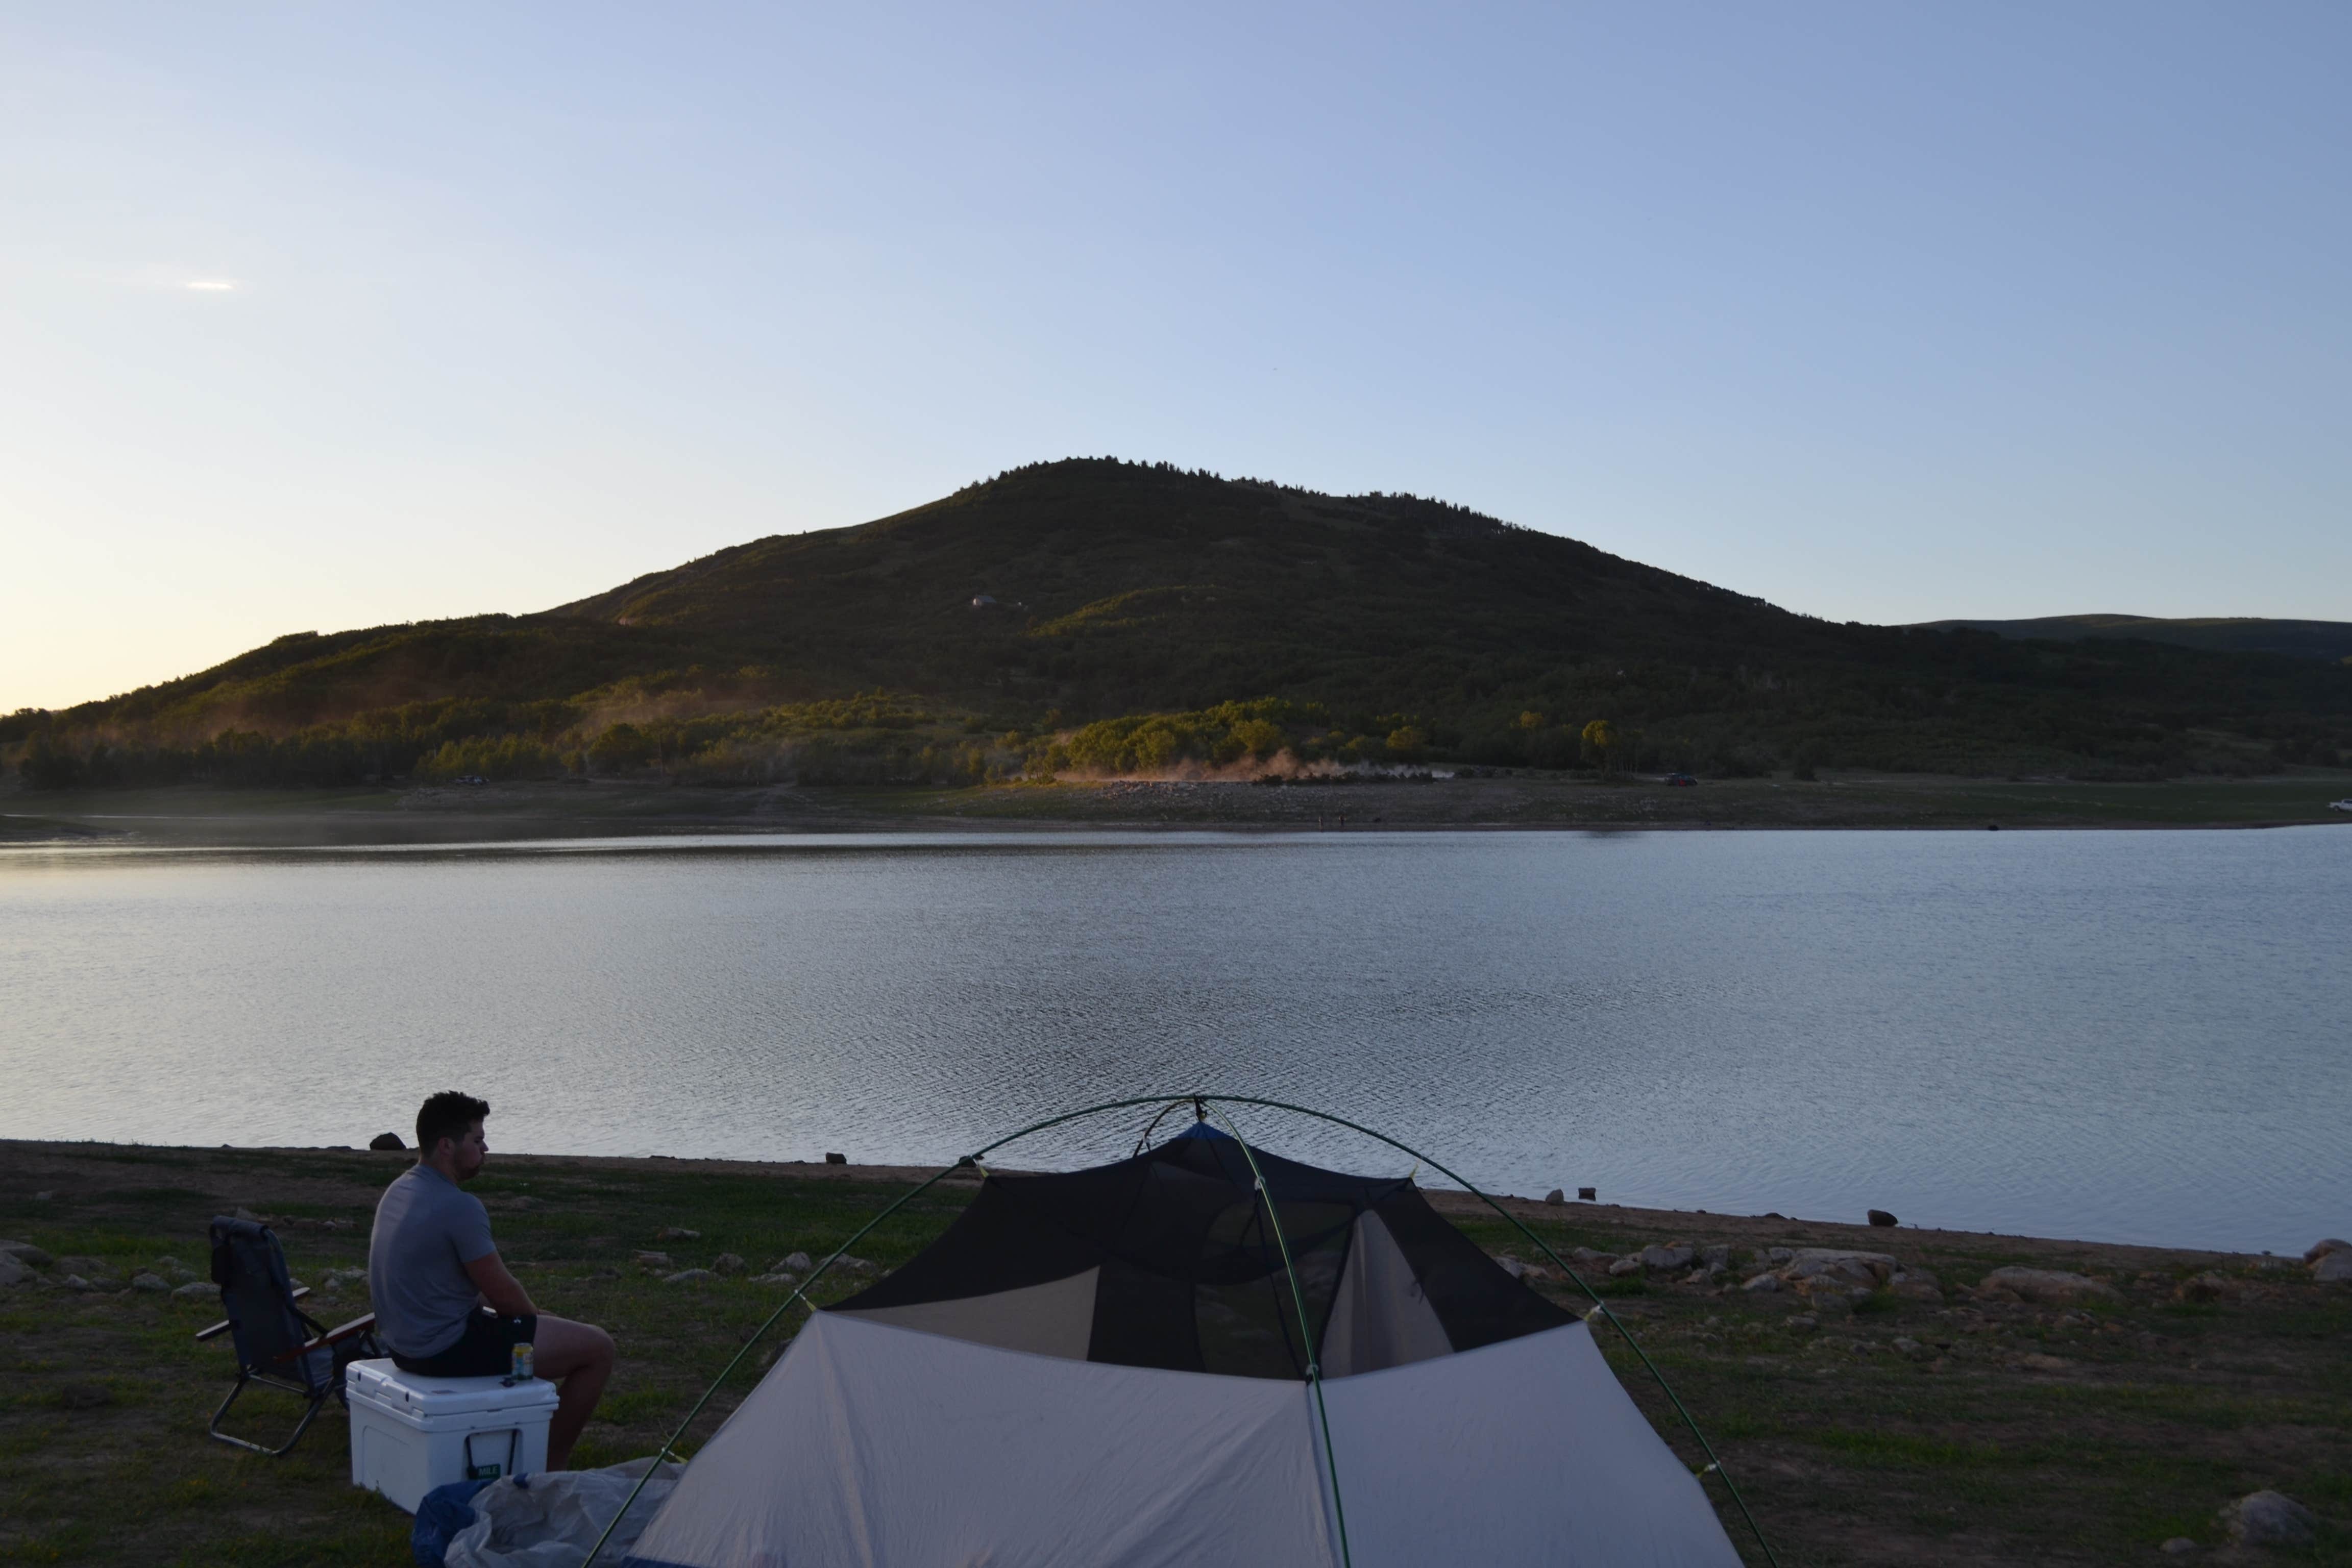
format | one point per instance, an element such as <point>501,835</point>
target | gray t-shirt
<point>426,1231</point>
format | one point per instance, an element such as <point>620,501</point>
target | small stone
<point>2269,1518</point>
<point>386,1141</point>
<point>2178,1546</point>
<point>2335,1268</point>
<point>195,1290</point>
<point>1881,1218</point>
<point>778,1278</point>
<point>2312,1254</point>
<point>249,1216</point>
<point>1511,1266</point>
<point>689,1277</point>
<point>74,1282</point>
<point>677,1233</point>
<point>1624,1265</point>
<point>165,1264</point>
<point>1589,1194</point>
<point>2046,1363</point>
<point>798,1262</point>
<point>728,1263</point>
<point>1763,1284</point>
<point>837,1159</point>
<point>43,1197</point>
<point>154,1282</point>
<point>14,1272</point>
<point>1907,1346</point>
<point>1665,1258</point>
<point>654,1259</point>
<point>1554,1196</point>
<point>1804,1323</point>
<point>855,1266</point>
<point>2047,1286</point>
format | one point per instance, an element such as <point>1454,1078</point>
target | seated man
<point>444,1304</point>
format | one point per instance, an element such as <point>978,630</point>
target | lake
<point>2133,1036</point>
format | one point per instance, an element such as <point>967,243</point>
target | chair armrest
<point>222,1327</point>
<point>352,1330</point>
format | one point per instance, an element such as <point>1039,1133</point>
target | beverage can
<point>522,1361</point>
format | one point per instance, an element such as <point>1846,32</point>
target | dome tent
<point>1201,1354</point>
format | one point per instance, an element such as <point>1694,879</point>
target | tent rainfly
<point>1108,1368</point>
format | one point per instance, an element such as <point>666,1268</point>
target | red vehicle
<point>1678,781</point>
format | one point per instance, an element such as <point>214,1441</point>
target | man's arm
<point>501,1289</point>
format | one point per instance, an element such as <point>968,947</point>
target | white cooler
<point>411,1433</point>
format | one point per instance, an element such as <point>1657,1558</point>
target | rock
<point>1881,1218</point>
<point>386,1141</point>
<point>2178,1546</point>
<point>1585,1257</point>
<point>849,1264</point>
<point>798,1262</point>
<point>1554,1196</point>
<point>2046,1363</point>
<point>2335,1268</point>
<point>1779,1255</point>
<point>26,1253</point>
<point>677,1233</point>
<point>689,1277</point>
<point>1804,1323</point>
<point>2313,1253</point>
<point>154,1282</point>
<point>198,1289</point>
<point>1763,1284</point>
<point>1916,1285</point>
<point>1665,1258</point>
<point>88,1268</point>
<point>728,1263</point>
<point>1589,1194</point>
<point>2047,1286</point>
<point>1512,1267</point>
<point>654,1259</point>
<point>1867,1269</point>
<point>2269,1518</point>
<point>246,1213</point>
<point>837,1159</point>
<point>1830,1304</point>
<point>74,1282</point>
<point>165,1264</point>
<point>13,1271</point>
<point>779,1279</point>
<point>1624,1265</point>
<point>1716,1257</point>
<point>2208,1287</point>
<point>1907,1346</point>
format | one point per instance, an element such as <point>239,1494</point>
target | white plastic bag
<point>551,1520</point>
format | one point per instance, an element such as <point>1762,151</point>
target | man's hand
<point>502,1291</point>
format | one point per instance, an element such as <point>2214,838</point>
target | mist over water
<point>2118,1035</point>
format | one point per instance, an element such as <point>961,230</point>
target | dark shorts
<point>486,1348</point>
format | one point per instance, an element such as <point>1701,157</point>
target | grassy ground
<point>1996,1433</point>
<point>363,816</point>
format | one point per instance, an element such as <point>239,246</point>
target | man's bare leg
<point>580,1357</point>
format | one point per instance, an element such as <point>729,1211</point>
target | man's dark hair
<point>446,1115</point>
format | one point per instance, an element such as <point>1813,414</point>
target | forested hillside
<point>1094,615</point>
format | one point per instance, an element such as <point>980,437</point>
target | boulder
<point>798,1262</point>
<point>1916,1285</point>
<point>1777,1256</point>
<point>728,1263</point>
<point>1763,1284</point>
<point>13,1271</point>
<point>1554,1196</point>
<point>677,1233</point>
<point>197,1290</point>
<point>776,1278</point>
<point>1665,1258</point>
<point>1512,1267</point>
<point>1624,1265</point>
<point>830,1159</point>
<point>1882,1219</point>
<point>2313,1253</point>
<point>2178,1546</point>
<point>849,1264</point>
<point>2048,1286</point>
<point>654,1259</point>
<point>386,1141</point>
<point>2208,1285</point>
<point>2335,1268</point>
<point>152,1282</point>
<point>2269,1518</point>
<point>1830,1304</point>
<point>1588,1194</point>
<point>689,1277</point>
<point>88,1268</point>
<point>2038,1362</point>
<point>26,1253</point>
<point>1585,1257</point>
<point>74,1282</point>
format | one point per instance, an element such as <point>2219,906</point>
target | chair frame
<point>345,1342</point>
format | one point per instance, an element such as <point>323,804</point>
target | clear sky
<point>317,316</point>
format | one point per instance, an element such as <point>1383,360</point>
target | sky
<point>323,316</point>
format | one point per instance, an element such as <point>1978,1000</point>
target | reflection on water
<point>2122,1036</point>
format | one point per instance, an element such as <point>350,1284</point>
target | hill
<point>2231,634</point>
<point>1095,616</point>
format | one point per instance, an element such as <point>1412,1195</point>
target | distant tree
<point>1407,743</point>
<point>1600,740</point>
<point>1531,720</point>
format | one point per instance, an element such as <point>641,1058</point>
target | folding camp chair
<point>277,1343</point>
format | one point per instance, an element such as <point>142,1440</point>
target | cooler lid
<point>415,1394</point>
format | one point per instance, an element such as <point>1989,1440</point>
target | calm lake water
<point>2120,1036</point>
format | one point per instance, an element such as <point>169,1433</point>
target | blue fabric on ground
<point>442,1513</point>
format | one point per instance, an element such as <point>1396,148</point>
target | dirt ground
<point>1916,1425</point>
